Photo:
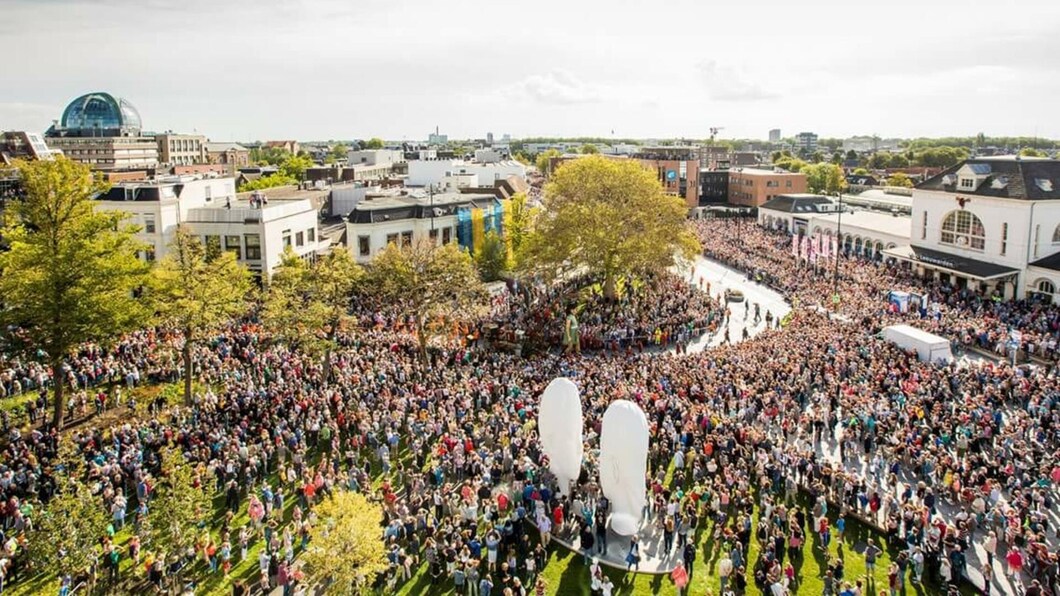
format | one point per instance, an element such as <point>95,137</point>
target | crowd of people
<point>781,439</point>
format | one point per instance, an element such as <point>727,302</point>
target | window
<point>232,245</point>
<point>299,239</point>
<point>787,183</point>
<point>923,227</point>
<point>406,238</point>
<point>391,238</point>
<point>253,242</point>
<point>149,224</point>
<point>149,254</point>
<point>1004,238</point>
<point>1056,235</point>
<point>963,229</point>
<point>967,182</point>
<point>364,245</point>
<point>434,236</point>
<point>1046,287</point>
<point>772,183</point>
<point>311,233</point>
<point>209,193</point>
<point>447,235</point>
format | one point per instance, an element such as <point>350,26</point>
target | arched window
<point>1056,235</point>
<point>963,229</point>
<point>1046,287</point>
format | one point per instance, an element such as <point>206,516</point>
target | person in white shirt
<point>606,587</point>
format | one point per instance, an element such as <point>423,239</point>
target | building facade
<point>806,142</point>
<point>181,150</point>
<point>103,132</point>
<point>229,154</point>
<point>441,218</point>
<point>677,169</point>
<point>750,187</point>
<point>989,224</point>
<point>18,144</point>
<point>774,135</point>
<point>256,230</point>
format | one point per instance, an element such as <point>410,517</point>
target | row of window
<point>299,237</point>
<point>364,243</point>
<point>965,230</point>
<point>246,247</point>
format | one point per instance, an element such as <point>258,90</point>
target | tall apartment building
<point>806,141</point>
<point>774,135</point>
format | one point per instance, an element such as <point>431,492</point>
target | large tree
<point>198,292</point>
<point>825,178</point>
<point>71,271</point>
<point>518,222</point>
<point>345,551</point>
<point>543,161</point>
<point>373,143</point>
<point>438,285</point>
<point>610,218</point>
<point>66,532</point>
<point>178,505</point>
<point>308,304</point>
<point>491,259</point>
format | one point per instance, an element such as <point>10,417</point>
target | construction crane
<point>714,130</point>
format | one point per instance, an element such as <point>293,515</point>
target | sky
<point>351,69</point>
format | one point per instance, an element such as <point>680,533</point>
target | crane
<point>714,130</point>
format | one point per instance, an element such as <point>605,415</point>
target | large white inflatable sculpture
<point>624,464</point>
<point>560,425</point>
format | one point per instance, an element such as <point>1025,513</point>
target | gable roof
<point>1005,177</point>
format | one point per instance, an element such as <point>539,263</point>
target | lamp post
<point>839,247</point>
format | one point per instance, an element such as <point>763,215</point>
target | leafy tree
<point>307,305</point>
<point>70,272</point>
<point>791,164</point>
<point>339,151</point>
<point>373,143</point>
<point>852,155</point>
<point>268,182</point>
<point>817,157</point>
<point>66,533</point>
<point>272,156</point>
<point>197,294</point>
<point>588,149</point>
<point>880,161</point>
<point>491,259</point>
<point>899,160</point>
<point>522,158</point>
<point>837,158</point>
<point>177,506</point>
<point>861,172</point>
<point>824,178</point>
<point>437,284</point>
<point>518,222</point>
<point>295,166</point>
<point>899,179</point>
<point>610,218</point>
<point>1032,152</point>
<point>344,546</point>
<point>544,160</point>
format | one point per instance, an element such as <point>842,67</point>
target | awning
<point>945,261</point>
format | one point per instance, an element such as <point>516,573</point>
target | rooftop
<point>415,205</point>
<point>762,172</point>
<point>1007,177</point>
<point>883,223</point>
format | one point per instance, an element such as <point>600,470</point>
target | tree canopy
<point>518,223</point>
<point>543,161</point>
<point>197,292</point>
<point>825,178</point>
<point>373,143</point>
<point>491,259</point>
<point>610,218</point>
<point>344,546</point>
<point>899,179</point>
<point>306,305</point>
<point>71,269</point>
<point>438,285</point>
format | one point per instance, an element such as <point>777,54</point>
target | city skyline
<point>326,70</point>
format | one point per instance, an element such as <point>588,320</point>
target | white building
<point>407,217</point>
<point>375,157</point>
<point>990,223</point>
<point>256,231</point>
<point>861,233</point>
<point>433,172</point>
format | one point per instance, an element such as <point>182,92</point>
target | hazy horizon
<point>327,69</point>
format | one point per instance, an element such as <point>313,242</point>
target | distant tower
<point>489,138</point>
<point>774,135</point>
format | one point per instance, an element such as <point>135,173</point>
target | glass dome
<point>100,111</point>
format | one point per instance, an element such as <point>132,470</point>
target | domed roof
<point>100,111</point>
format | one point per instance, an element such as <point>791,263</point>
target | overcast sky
<point>338,69</point>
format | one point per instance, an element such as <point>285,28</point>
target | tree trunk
<point>422,337</point>
<point>333,332</point>
<point>187,367</point>
<point>57,379</point>
<point>610,287</point>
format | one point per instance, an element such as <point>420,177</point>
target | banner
<point>795,245</point>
